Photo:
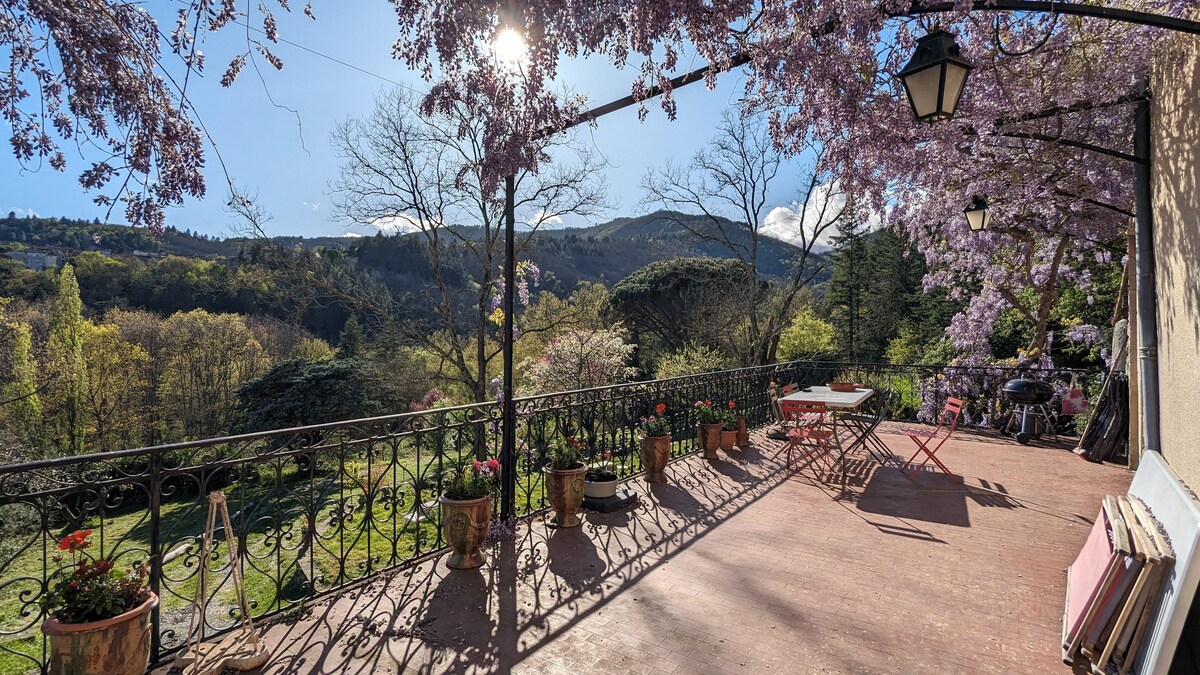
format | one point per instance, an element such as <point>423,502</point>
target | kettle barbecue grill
<point>1030,400</point>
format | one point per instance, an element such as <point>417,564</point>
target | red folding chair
<point>806,429</point>
<point>948,422</point>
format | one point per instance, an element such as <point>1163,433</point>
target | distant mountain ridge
<point>605,253</point>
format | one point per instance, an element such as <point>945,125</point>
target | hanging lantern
<point>977,214</point>
<point>935,76</point>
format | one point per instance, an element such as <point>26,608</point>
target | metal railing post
<point>156,553</point>
<point>508,415</point>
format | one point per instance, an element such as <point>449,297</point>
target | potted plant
<point>564,473</point>
<point>710,428</point>
<point>98,619</point>
<point>729,428</point>
<point>654,439</point>
<point>743,432</point>
<point>466,504</point>
<point>600,481</point>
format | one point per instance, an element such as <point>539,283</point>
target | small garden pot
<point>655,452</point>
<point>710,440</point>
<point>465,524</point>
<point>600,489</point>
<point>728,439</point>
<point>743,433</point>
<point>116,646</point>
<point>565,489</point>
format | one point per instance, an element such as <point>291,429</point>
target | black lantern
<point>934,77</point>
<point>977,214</point>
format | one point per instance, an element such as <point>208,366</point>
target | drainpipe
<point>1143,235</point>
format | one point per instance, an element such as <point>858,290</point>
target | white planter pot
<point>600,489</point>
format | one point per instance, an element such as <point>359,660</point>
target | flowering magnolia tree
<point>581,359</point>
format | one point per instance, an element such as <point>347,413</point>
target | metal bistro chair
<point>878,410</point>
<point>779,432</point>
<point>948,421</point>
<point>808,431</point>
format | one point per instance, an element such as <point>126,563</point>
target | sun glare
<point>509,46</point>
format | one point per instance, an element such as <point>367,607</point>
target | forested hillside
<point>127,341</point>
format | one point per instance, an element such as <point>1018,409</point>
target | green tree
<point>350,342</point>
<point>67,370</point>
<point>298,393</point>
<point>691,359</point>
<point>208,358</point>
<point>117,385</point>
<point>849,285</point>
<point>668,304</point>
<point>23,406</point>
<point>808,335</point>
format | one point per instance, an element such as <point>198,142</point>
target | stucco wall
<point>1175,171</point>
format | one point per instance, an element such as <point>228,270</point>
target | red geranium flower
<point>493,464</point>
<point>660,408</point>
<point>732,405</point>
<point>76,541</point>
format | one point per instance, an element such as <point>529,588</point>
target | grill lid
<point>1028,390</point>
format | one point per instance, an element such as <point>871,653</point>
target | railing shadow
<point>533,589</point>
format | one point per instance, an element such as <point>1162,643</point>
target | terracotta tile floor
<point>736,567</point>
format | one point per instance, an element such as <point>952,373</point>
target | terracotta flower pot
<point>465,524</point>
<point>655,452</point>
<point>710,440</point>
<point>116,646</point>
<point>743,433</point>
<point>728,439</point>
<point>565,490</point>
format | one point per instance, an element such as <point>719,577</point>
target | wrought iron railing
<point>324,507</point>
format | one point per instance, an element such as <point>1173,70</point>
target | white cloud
<point>542,218</point>
<point>311,207</point>
<point>349,233</point>
<point>794,223</point>
<point>398,224</point>
<point>21,213</point>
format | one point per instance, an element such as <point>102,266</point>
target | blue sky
<point>289,163</point>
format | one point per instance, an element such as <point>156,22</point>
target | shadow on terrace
<point>737,564</point>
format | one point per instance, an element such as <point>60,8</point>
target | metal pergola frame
<point>1148,330</point>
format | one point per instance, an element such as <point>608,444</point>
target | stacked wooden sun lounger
<point>1114,586</point>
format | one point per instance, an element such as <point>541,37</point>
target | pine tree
<point>351,339</point>
<point>848,284</point>
<point>889,286</point>
<point>65,352</point>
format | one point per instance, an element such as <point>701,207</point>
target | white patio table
<point>837,402</point>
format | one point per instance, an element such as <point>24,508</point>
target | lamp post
<point>935,76</point>
<point>977,214</point>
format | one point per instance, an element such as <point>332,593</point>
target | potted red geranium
<point>564,471</point>
<point>98,619</point>
<point>467,511</point>
<point>654,444</point>
<point>709,418</point>
<point>743,432</point>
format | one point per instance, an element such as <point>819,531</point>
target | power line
<point>327,57</point>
